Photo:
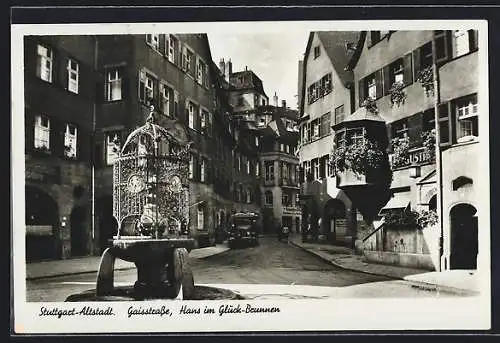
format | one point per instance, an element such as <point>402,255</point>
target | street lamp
<point>415,171</point>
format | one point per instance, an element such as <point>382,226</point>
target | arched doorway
<point>464,246</point>
<point>334,220</point>
<point>433,203</point>
<point>42,217</point>
<point>108,226</point>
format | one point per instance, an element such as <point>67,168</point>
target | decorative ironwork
<point>150,182</point>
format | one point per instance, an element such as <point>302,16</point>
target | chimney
<point>229,69</point>
<point>222,66</point>
<point>275,99</point>
<point>283,103</point>
<point>246,68</point>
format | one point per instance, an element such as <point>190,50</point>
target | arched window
<point>269,197</point>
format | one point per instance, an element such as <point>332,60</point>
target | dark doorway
<point>297,224</point>
<point>42,216</point>
<point>433,203</point>
<point>79,233</point>
<point>107,223</point>
<point>464,246</point>
<point>334,221</point>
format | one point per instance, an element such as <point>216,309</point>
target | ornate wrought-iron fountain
<point>150,204</point>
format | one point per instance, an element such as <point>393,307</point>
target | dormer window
<point>317,51</point>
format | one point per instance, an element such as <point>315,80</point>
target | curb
<point>414,284</point>
<point>343,267</point>
<point>32,278</point>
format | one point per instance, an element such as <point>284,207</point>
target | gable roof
<point>335,44</point>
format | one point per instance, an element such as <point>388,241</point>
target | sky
<point>273,56</point>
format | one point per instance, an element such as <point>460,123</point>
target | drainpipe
<point>93,143</point>
<point>439,167</point>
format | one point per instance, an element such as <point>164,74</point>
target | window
<point>248,196</point>
<point>188,60</point>
<point>73,75</point>
<point>269,165</point>
<point>202,170</point>
<point>320,88</point>
<point>203,120</point>
<point>461,42</point>
<point>467,118</point>
<point>112,146</point>
<point>340,138</point>
<point>201,217</point>
<point>339,114</point>
<point>315,168</point>
<point>400,129</point>
<point>315,125</point>
<point>326,84</point>
<point>257,168</point>
<point>113,85</point>
<point>44,63</point>
<point>397,71</point>
<point>285,199</point>
<point>282,147</point>
<point>166,99</point>
<point>153,40</point>
<point>317,51</point>
<point>173,48</point>
<point>238,162</point>
<point>357,137</point>
<point>426,55</point>
<point>191,167</point>
<point>256,141</point>
<point>202,76</point>
<point>240,101</point>
<point>42,132</point>
<point>70,142</point>
<point>248,167</point>
<point>146,88</point>
<point>191,115</point>
<point>287,149</point>
<point>269,197</point>
<point>371,85</point>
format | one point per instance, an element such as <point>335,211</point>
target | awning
<point>398,201</point>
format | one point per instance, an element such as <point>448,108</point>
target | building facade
<point>85,94</point>
<point>395,70</point>
<point>59,109</point>
<point>326,99</point>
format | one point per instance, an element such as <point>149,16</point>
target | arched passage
<point>334,220</point>
<point>464,246</point>
<point>42,217</point>
<point>107,223</point>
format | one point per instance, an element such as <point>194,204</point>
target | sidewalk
<point>456,281</point>
<point>90,264</point>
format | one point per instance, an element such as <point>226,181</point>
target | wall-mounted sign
<point>416,157</point>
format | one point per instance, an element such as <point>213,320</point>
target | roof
<point>340,47</point>
<point>361,114</point>
<point>253,82</point>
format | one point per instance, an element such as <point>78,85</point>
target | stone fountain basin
<point>141,250</point>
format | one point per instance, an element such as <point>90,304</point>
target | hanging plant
<point>360,158</point>
<point>429,143</point>
<point>370,104</point>
<point>426,78</point>
<point>398,95</point>
<point>427,218</point>
<point>400,151</point>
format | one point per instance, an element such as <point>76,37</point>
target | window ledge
<point>466,141</point>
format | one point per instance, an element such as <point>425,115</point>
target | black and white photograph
<point>256,176</point>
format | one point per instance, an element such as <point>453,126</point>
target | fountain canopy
<point>150,182</point>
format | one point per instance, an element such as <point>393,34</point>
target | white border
<point>345,314</point>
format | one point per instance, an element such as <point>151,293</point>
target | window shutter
<point>416,63</point>
<point>472,40</point>
<point>162,47</point>
<point>125,83</point>
<point>142,90</point>
<point>361,91</point>
<point>444,126</point>
<point>415,130</point>
<point>407,69</point>
<point>379,82</point>
<point>65,73</point>
<point>387,79</point>
<point>157,96</point>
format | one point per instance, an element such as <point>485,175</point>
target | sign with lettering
<point>415,157</point>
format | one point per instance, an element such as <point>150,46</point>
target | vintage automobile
<point>244,230</point>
